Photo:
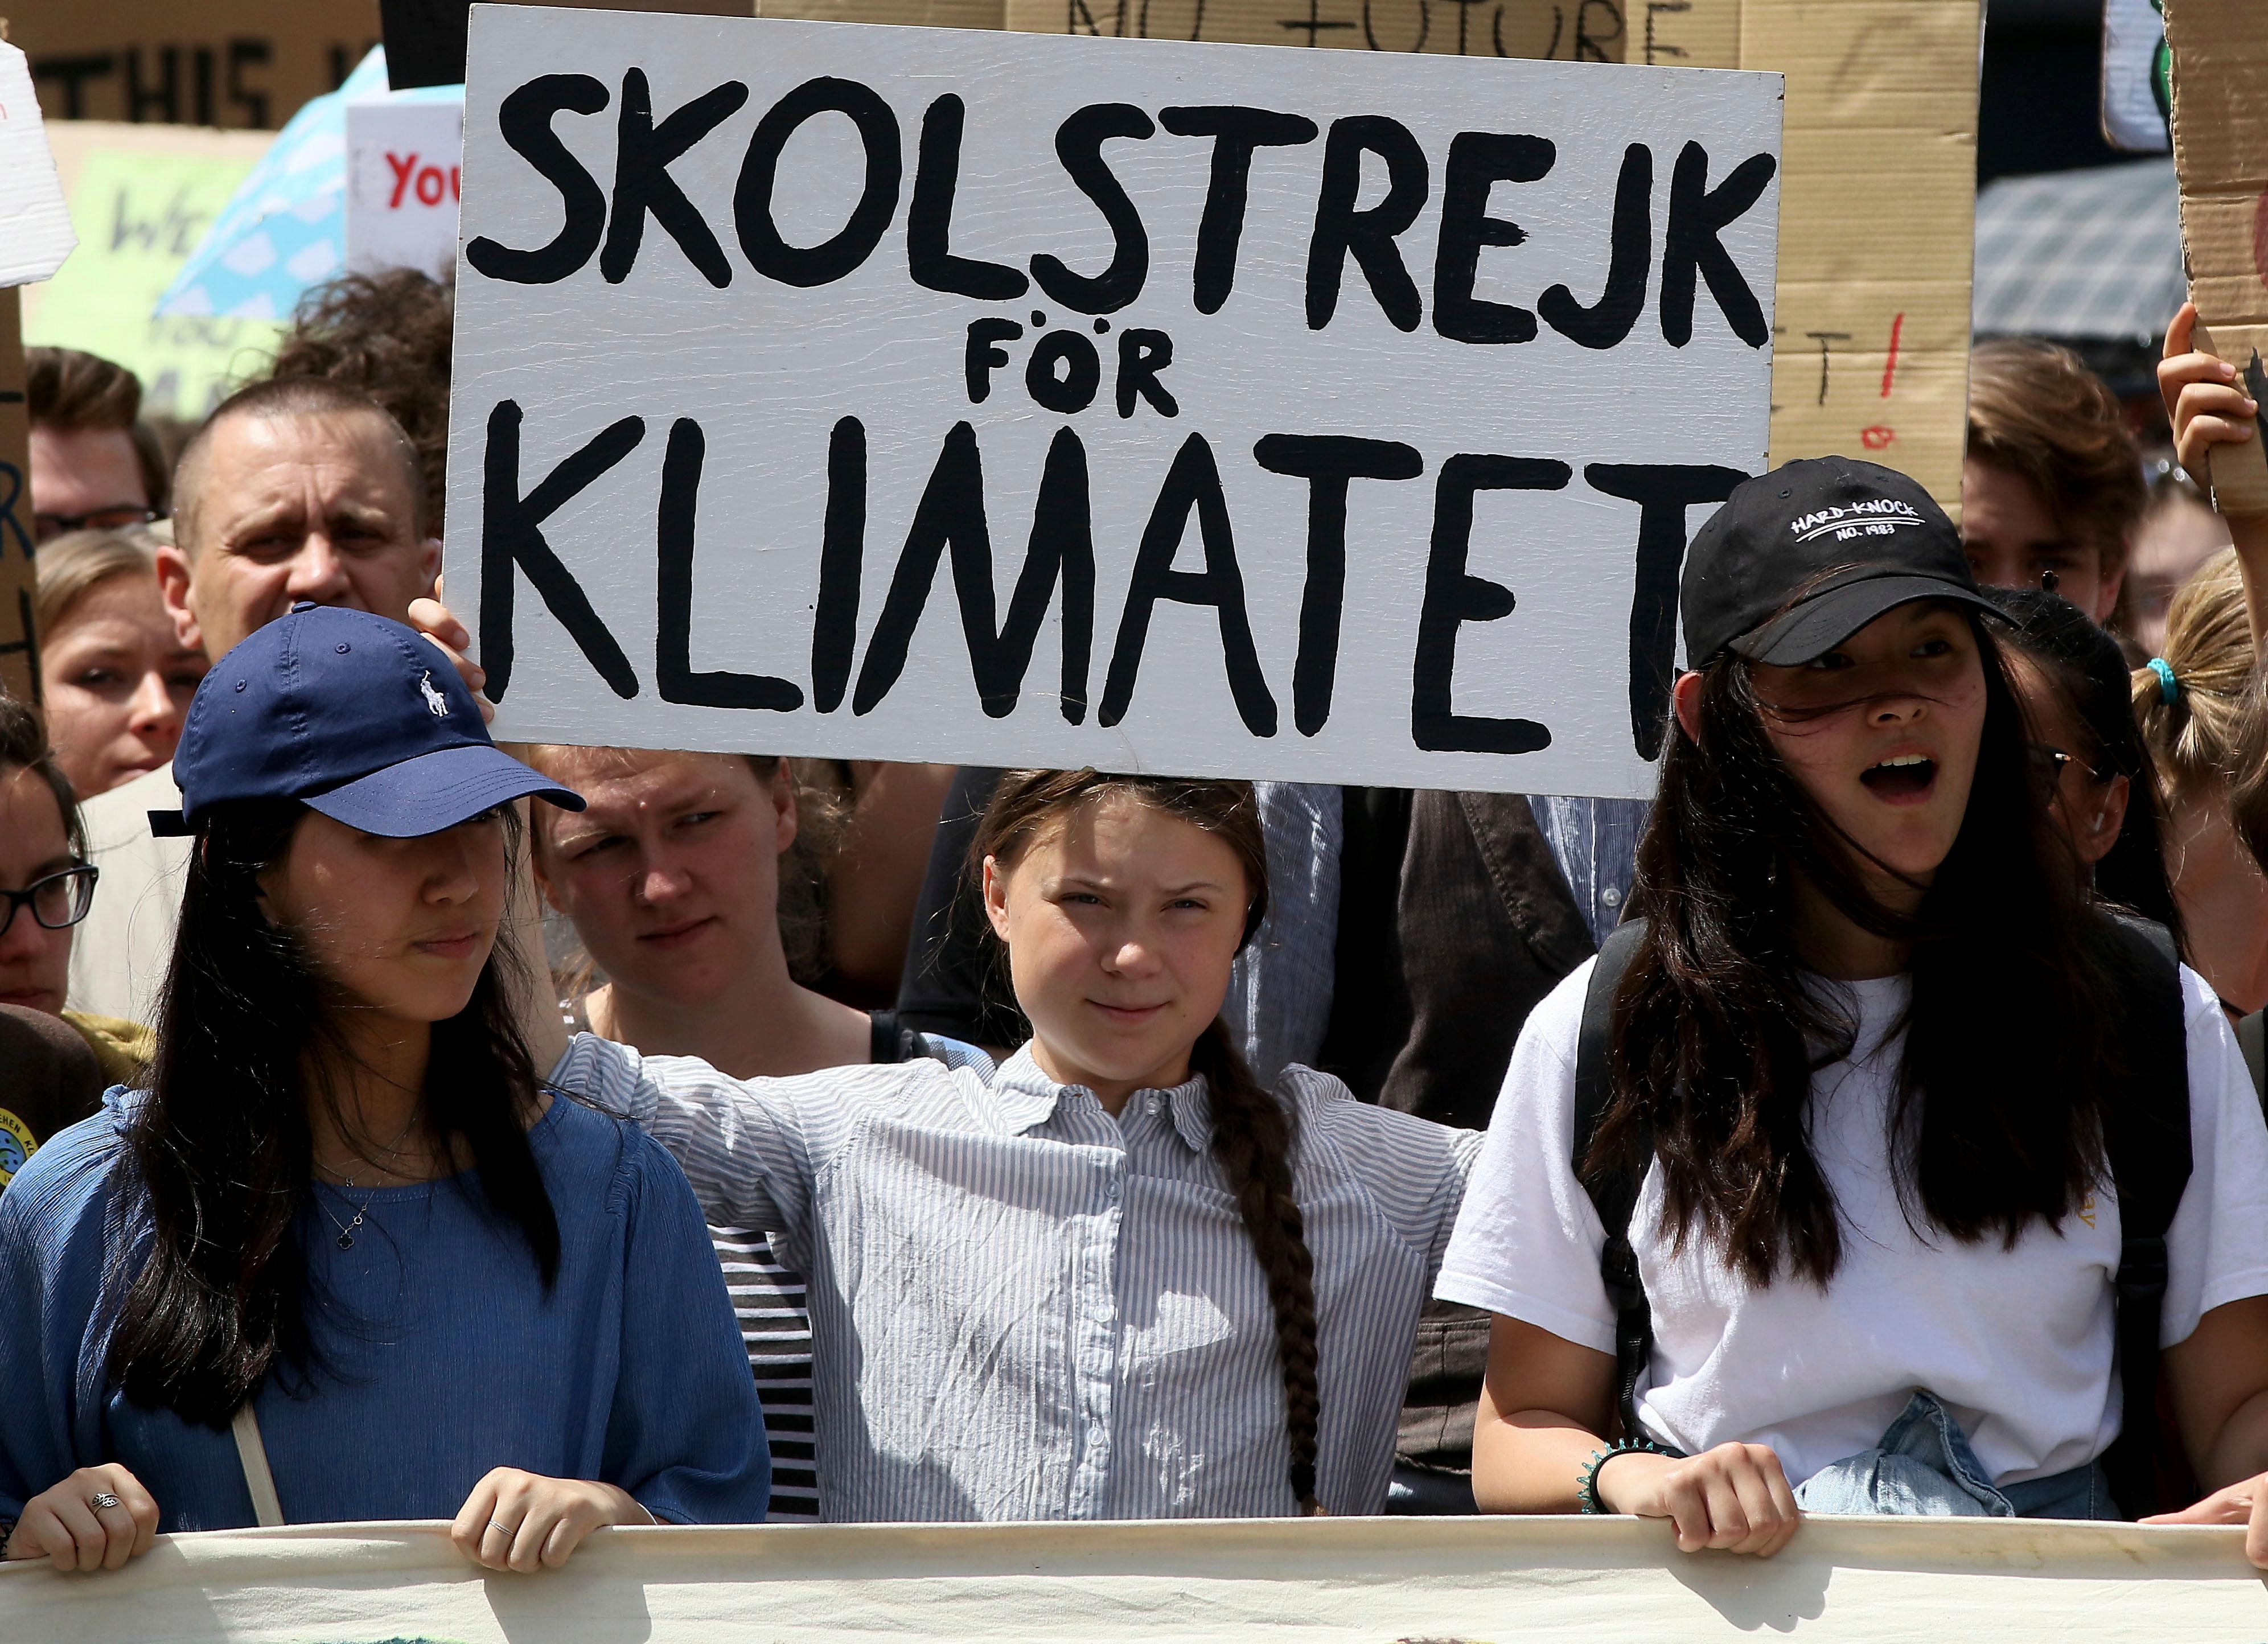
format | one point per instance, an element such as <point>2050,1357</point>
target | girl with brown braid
<point>1115,1279</point>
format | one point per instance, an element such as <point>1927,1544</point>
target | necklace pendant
<point>346,1241</point>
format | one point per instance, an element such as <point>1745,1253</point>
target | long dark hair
<point>2085,666</point>
<point>1253,1131</point>
<point>23,745</point>
<point>221,1148</point>
<point>2010,1057</point>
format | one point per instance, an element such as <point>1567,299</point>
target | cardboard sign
<point>1873,329</point>
<point>2221,151</point>
<point>20,644</point>
<point>1878,219</point>
<point>1586,31</point>
<point>35,231</point>
<point>1332,1581</point>
<point>217,63</point>
<point>141,198</point>
<point>214,62</point>
<point>405,175</point>
<point>1319,417</point>
<point>2137,77</point>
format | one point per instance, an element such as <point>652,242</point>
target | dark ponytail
<point>1252,1129</point>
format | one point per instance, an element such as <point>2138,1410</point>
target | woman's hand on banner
<point>96,1519</point>
<point>434,619</point>
<point>525,1522</point>
<point>1734,1497</point>
<point>2244,1502</point>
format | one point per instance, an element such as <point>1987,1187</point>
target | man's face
<point>292,508</point>
<point>2012,538</point>
<point>86,478</point>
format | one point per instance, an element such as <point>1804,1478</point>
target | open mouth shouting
<point>1902,779</point>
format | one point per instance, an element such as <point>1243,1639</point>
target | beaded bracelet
<point>1587,1483</point>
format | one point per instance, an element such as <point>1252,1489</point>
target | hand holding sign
<point>2220,86</point>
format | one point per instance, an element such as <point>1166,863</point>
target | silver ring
<point>505,1528</point>
<point>101,1501</point>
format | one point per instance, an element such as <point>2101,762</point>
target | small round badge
<point>16,1146</point>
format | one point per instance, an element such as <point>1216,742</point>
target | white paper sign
<point>35,229</point>
<point>405,173</point>
<point>2135,66</point>
<point>977,397</point>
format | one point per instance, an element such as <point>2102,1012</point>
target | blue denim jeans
<point>1924,1466</point>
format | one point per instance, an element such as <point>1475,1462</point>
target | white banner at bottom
<point>1328,1582</point>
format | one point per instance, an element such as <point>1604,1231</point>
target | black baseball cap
<point>356,717</point>
<point>1854,539</point>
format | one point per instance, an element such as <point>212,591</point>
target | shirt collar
<point>1027,1099</point>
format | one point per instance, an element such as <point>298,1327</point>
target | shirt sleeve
<point>1414,1170</point>
<point>686,1434</point>
<point>1528,1241</point>
<point>738,1141</point>
<point>2214,1250</point>
<point>52,1231</point>
<point>1463,1156</point>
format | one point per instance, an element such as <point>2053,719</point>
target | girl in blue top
<point>345,1239</point>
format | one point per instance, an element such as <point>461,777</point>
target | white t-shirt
<point>2018,1343</point>
<point>120,951</point>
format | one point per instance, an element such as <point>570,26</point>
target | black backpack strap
<point>1614,1194</point>
<point>2252,1039</point>
<point>888,1039</point>
<point>2148,1143</point>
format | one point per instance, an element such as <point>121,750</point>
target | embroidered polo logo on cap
<point>436,703</point>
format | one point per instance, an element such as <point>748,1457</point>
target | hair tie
<point>2169,687</point>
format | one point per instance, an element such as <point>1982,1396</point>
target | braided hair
<point>1253,1132</point>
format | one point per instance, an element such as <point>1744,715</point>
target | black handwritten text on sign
<point>999,399</point>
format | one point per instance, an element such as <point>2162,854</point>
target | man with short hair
<point>294,489</point>
<point>2052,486</point>
<point>95,464</point>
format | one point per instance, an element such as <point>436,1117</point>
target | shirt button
<point>1611,897</point>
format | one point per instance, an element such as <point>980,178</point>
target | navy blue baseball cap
<point>359,717</point>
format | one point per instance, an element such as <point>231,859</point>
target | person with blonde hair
<point>693,881</point>
<point>115,675</point>
<point>2190,701</point>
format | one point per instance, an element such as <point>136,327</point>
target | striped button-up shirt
<point>1022,1309</point>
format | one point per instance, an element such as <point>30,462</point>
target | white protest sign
<point>911,394</point>
<point>2136,93</point>
<point>405,174</point>
<point>1340,1581</point>
<point>35,227</point>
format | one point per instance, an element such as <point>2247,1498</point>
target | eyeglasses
<point>58,902</point>
<point>46,527</point>
<point>2046,763</point>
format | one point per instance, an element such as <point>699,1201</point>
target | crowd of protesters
<point>401,1126</point>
